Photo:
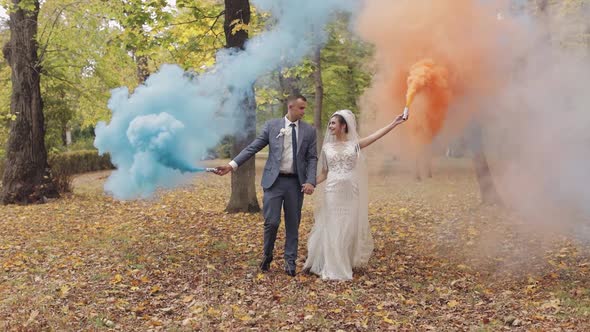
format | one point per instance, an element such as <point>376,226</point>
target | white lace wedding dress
<point>341,237</point>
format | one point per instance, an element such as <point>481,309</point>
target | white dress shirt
<point>287,156</point>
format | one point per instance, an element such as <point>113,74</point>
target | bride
<point>340,239</point>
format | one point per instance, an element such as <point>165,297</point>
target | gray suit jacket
<point>307,157</point>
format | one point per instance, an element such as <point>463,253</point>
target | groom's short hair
<point>294,97</point>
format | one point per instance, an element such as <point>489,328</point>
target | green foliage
<point>8,5</point>
<point>82,139</point>
<point>7,117</point>
<point>65,165</point>
<point>345,76</point>
<point>223,149</point>
<point>81,64</point>
<point>266,97</point>
<point>5,95</point>
<point>195,34</point>
<point>4,129</point>
<point>238,25</point>
<point>142,23</point>
<point>82,144</point>
<point>28,5</point>
<point>304,70</point>
<point>82,161</point>
<point>3,140</point>
<point>345,73</point>
<point>89,47</point>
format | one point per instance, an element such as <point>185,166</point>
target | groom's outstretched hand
<point>222,170</point>
<point>307,188</point>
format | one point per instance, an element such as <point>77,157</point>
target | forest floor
<point>178,262</point>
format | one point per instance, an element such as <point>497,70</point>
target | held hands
<point>222,170</point>
<point>307,188</point>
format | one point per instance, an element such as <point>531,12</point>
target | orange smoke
<point>433,81</point>
<point>424,74</point>
<point>443,57</point>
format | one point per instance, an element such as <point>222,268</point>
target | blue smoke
<point>163,129</point>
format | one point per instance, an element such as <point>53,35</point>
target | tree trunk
<point>319,95</point>
<point>423,162</point>
<point>64,134</point>
<point>27,176</point>
<point>489,195</point>
<point>68,137</point>
<point>243,190</point>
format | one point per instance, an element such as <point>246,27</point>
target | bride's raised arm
<point>364,142</point>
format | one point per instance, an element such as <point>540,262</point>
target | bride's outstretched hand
<point>399,119</point>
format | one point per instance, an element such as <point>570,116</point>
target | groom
<point>290,171</point>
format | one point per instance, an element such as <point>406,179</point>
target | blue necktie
<point>294,146</point>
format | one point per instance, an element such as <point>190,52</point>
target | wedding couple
<point>341,237</point>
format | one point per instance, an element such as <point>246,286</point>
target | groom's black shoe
<point>290,268</point>
<point>265,264</point>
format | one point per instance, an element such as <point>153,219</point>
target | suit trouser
<point>286,193</point>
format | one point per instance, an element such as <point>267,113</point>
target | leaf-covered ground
<point>178,262</point>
